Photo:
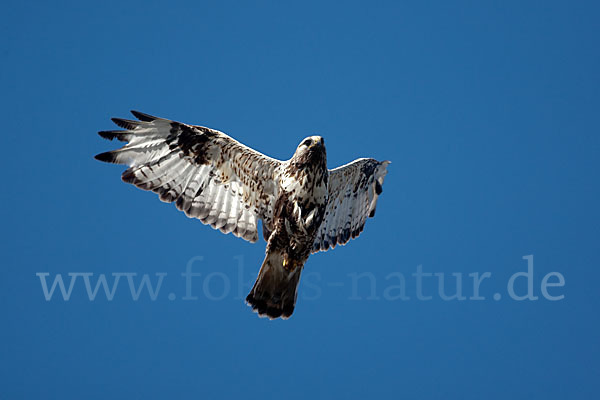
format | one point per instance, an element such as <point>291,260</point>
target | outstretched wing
<point>353,192</point>
<point>209,175</point>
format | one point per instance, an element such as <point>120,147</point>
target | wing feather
<point>209,175</point>
<point>353,192</point>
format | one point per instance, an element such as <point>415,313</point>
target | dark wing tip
<point>143,117</point>
<point>126,123</point>
<point>105,157</point>
<point>378,187</point>
<point>110,135</point>
<point>128,176</point>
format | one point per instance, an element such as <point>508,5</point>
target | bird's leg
<point>294,256</point>
<point>291,262</point>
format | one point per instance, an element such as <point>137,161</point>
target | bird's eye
<point>307,142</point>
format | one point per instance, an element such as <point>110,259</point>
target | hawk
<point>304,207</point>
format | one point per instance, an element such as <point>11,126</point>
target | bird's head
<point>310,150</point>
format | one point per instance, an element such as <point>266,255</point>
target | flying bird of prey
<point>303,206</point>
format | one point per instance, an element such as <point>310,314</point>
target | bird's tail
<point>275,290</point>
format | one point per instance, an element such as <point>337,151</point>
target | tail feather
<point>275,290</point>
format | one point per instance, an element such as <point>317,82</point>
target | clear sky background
<point>487,109</point>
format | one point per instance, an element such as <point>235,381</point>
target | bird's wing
<point>209,175</point>
<point>353,192</point>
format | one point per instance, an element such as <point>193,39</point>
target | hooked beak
<point>316,142</point>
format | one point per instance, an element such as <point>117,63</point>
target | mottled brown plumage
<point>298,212</point>
<point>303,206</point>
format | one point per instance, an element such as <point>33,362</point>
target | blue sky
<point>488,111</point>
